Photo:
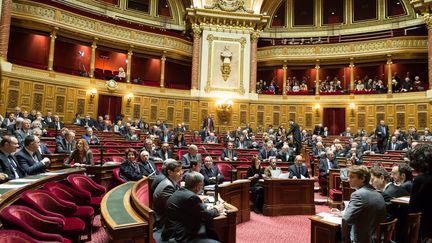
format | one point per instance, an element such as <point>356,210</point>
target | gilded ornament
<point>111,85</point>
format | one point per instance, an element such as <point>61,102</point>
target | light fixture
<point>224,110</point>
<point>317,107</point>
<point>93,93</point>
<point>81,53</point>
<point>129,98</point>
<point>126,60</point>
<point>352,108</point>
<point>224,104</point>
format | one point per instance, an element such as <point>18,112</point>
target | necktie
<point>229,154</point>
<point>14,167</point>
<point>58,126</point>
<point>35,158</point>
<point>166,155</point>
<point>298,170</point>
<point>287,157</point>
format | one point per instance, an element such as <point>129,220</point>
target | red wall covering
<point>177,75</point>
<point>28,49</point>
<point>114,60</point>
<point>148,69</point>
<point>67,58</point>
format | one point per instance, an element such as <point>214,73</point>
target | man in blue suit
<point>29,157</point>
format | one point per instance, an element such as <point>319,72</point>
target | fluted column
<point>389,74</point>
<point>284,84</point>
<point>5,28</point>
<point>129,66</point>
<point>53,36</point>
<point>317,78</point>
<point>162,77</point>
<point>351,70</point>
<point>253,65</point>
<point>93,58</point>
<point>428,20</point>
<point>195,56</point>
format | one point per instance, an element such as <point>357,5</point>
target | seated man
<point>267,152</point>
<point>365,210</point>
<point>131,169</point>
<point>286,154</point>
<point>148,165</point>
<point>229,154</point>
<point>211,138</point>
<point>43,148</point>
<point>90,137</point>
<point>194,166</point>
<point>66,144</point>
<point>187,216</point>
<point>165,152</point>
<point>56,124</point>
<point>402,176</point>
<point>173,175</point>
<point>325,164</point>
<point>30,158</point>
<point>394,144</point>
<point>211,173</point>
<point>192,155</point>
<point>298,170</point>
<point>268,170</point>
<point>9,167</point>
<point>369,148</point>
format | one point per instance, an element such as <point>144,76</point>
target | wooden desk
<point>323,231</point>
<point>11,195</point>
<point>289,197</point>
<point>237,194</point>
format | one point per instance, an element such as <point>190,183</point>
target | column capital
<point>196,29</point>
<point>427,18</point>
<point>254,36</point>
<point>317,66</point>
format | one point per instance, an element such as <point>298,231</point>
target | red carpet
<point>99,235</point>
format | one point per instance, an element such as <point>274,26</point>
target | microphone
<point>101,152</point>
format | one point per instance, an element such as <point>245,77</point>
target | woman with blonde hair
<point>81,156</point>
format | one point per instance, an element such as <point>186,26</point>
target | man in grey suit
<point>365,210</point>
<point>193,155</point>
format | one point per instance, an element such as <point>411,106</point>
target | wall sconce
<point>129,98</point>
<point>224,110</point>
<point>352,108</point>
<point>317,107</point>
<point>93,93</point>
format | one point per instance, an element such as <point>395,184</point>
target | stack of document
<point>328,217</point>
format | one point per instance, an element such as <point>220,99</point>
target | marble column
<point>129,66</point>
<point>317,79</point>
<point>162,76</point>
<point>5,27</point>
<point>351,72</point>
<point>93,58</point>
<point>53,36</point>
<point>428,20</point>
<point>195,56</point>
<point>389,74</point>
<point>253,64</point>
<point>284,82</point>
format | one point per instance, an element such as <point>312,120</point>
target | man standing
<point>365,210</point>
<point>29,157</point>
<point>187,216</point>
<point>208,123</point>
<point>382,135</point>
<point>8,163</point>
<point>295,131</point>
<point>298,170</point>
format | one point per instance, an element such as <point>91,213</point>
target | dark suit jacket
<point>44,149</point>
<point>420,202</point>
<point>323,166</point>
<point>283,156</point>
<point>398,146</point>
<point>245,143</point>
<point>90,123</point>
<point>295,172</point>
<point>30,166</point>
<point>186,159</point>
<point>212,172</point>
<point>187,217</point>
<point>296,133</point>
<point>161,154</point>
<point>61,146</point>
<point>264,155</point>
<point>208,124</point>
<point>379,133</point>
<point>163,191</point>
<point>54,125</point>
<point>225,154</point>
<point>6,167</point>
<point>318,130</point>
<point>130,173</point>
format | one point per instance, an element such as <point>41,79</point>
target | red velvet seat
<point>226,170</point>
<point>115,158</point>
<point>335,193</point>
<point>67,194</point>
<point>40,227</point>
<point>47,204</point>
<point>181,152</point>
<point>86,185</point>
<point>15,236</point>
<point>117,177</point>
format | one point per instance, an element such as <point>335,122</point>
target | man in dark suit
<point>29,157</point>
<point>365,210</point>
<point>43,148</point>
<point>9,165</point>
<point>23,132</point>
<point>326,132</point>
<point>56,124</point>
<point>369,148</point>
<point>173,175</point>
<point>229,154</point>
<point>394,144</point>
<point>285,154</point>
<point>149,166</point>
<point>88,122</point>
<point>66,144</point>
<point>208,123</point>
<point>382,135</point>
<point>242,143</point>
<point>325,164</point>
<point>211,173</point>
<point>192,155</point>
<point>318,130</point>
<point>298,169</point>
<point>267,152</point>
<point>188,217</point>
<point>165,152</point>
<point>402,176</point>
<point>347,132</point>
<point>48,118</point>
<point>296,133</point>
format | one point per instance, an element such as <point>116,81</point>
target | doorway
<point>111,105</point>
<point>334,119</point>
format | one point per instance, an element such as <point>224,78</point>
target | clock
<point>111,85</point>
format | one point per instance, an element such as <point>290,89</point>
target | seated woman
<point>254,174</point>
<point>131,169</point>
<point>179,140</point>
<point>82,156</point>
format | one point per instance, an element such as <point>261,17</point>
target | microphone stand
<point>101,152</point>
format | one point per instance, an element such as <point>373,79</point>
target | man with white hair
<point>211,138</point>
<point>193,155</point>
<point>23,132</point>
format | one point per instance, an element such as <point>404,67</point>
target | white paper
<point>52,173</point>
<point>328,217</point>
<point>284,176</point>
<point>209,187</point>
<point>12,186</point>
<point>275,173</point>
<point>405,199</point>
<point>23,180</point>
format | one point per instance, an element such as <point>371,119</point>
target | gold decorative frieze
<point>95,28</point>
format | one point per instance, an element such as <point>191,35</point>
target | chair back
<point>226,170</point>
<point>116,158</point>
<point>15,236</point>
<point>385,231</point>
<point>84,184</point>
<point>412,227</point>
<point>117,177</point>
<point>48,204</point>
<point>38,226</point>
<point>67,194</point>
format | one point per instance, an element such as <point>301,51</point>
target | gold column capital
<point>254,36</point>
<point>427,18</point>
<point>196,29</point>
